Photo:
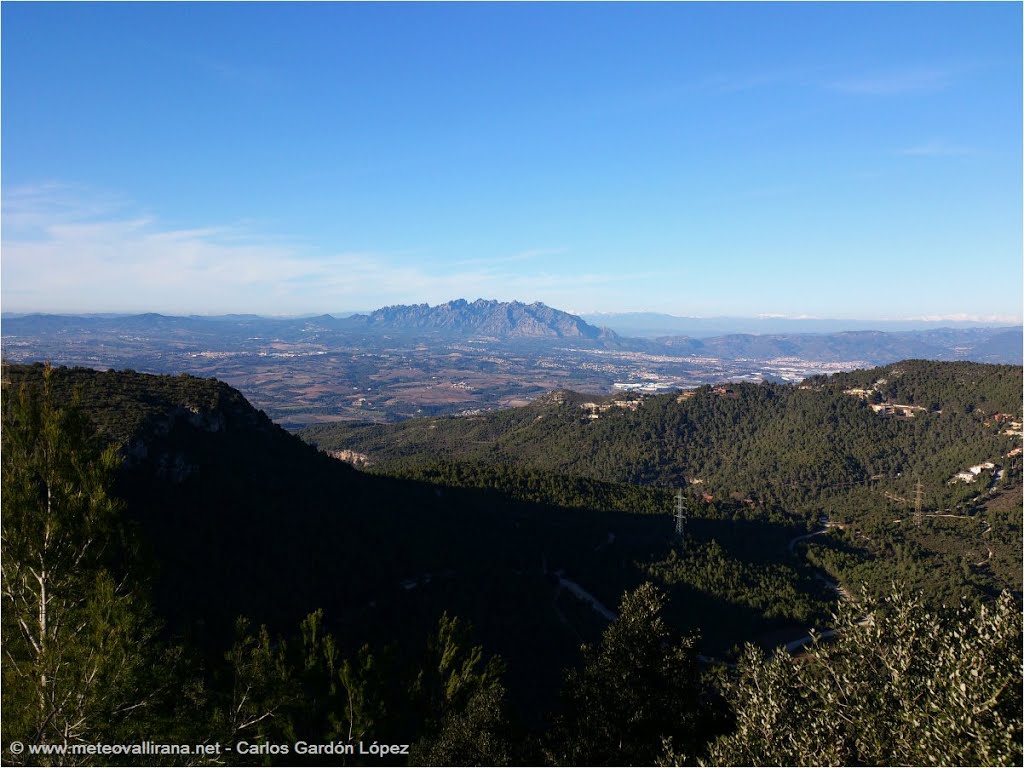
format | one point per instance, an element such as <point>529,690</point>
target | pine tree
<point>75,637</point>
<point>463,701</point>
<point>637,694</point>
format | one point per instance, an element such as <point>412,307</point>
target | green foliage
<point>341,699</point>
<point>954,386</point>
<point>452,671</point>
<point>770,590</point>
<point>515,497</point>
<point>543,487</point>
<point>137,402</point>
<point>299,689</point>
<point>804,451</point>
<point>466,722</point>
<point>900,685</point>
<point>803,448</point>
<point>262,688</point>
<point>474,735</point>
<point>445,700</point>
<point>79,665</point>
<point>637,692</point>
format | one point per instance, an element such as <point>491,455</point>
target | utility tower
<point>680,516</point>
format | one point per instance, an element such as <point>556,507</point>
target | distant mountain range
<point>654,324</point>
<point>501,319</point>
<point>979,345</point>
<point>511,323</point>
<point>460,318</point>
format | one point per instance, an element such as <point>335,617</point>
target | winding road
<point>793,542</point>
<point>793,645</point>
<point>585,596</point>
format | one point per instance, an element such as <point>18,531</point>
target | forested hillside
<point>248,587</point>
<point>967,387</point>
<point>831,447</point>
<point>785,444</point>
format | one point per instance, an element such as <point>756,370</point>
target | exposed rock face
<point>482,318</point>
<point>358,460</point>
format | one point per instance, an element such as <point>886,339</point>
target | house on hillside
<point>896,409</point>
<point>858,392</point>
<point>971,474</point>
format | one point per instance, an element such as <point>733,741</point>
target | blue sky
<point>833,160</point>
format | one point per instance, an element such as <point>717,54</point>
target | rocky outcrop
<point>356,459</point>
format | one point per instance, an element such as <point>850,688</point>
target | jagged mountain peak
<point>482,317</point>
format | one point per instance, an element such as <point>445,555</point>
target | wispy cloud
<point>966,317</point>
<point>937,148</point>
<point>97,254</point>
<point>35,206</point>
<point>896,82</point>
